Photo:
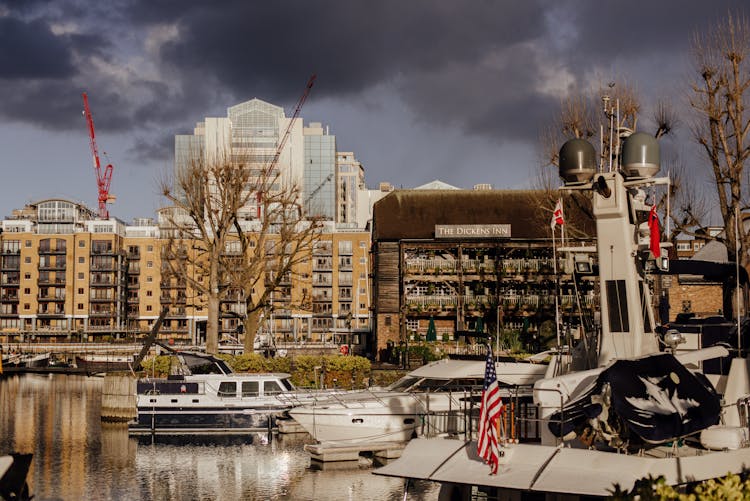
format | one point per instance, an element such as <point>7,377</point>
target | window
<point>345,247</point>
<point>388,321</point>
<point>250,388</point>
<point>28,243</point>
<point>27,290</point>
<point>12,246</point>
<point>149,279</point>
<point>149,264</point>
<point>150,248</point>
<point>683,246</point>
<point>149,293</point>
<point>26,306</point>
<point>27,259</point>
<point>81,260</point>
<point>271,388</point>
<point>80,306</point>
<point>228,389</point>
<point>27,276</point>
<point>80,290</point>
<point>81,243</point>
<point>80,276</point>
<point>412,324</point>
<point>148,307</point>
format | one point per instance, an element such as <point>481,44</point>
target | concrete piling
<point>118,398</point>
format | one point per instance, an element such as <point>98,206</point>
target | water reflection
<point>77,457</point>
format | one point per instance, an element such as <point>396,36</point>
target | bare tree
<point>721,126</point>
<point>236,232</point>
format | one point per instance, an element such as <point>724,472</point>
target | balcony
<point>60,249</point>
<point>102,313</point>
<point>176,312</point>
<point>52,266</point>
<point>9,295</point>
<point>10,252</point>
<point>101,298</point>
<point>51,297</point>
<point>46,281</point>
<point>102,281</point>
<point>102,250</point>
<point>103,266</point>
<point>51,312</point>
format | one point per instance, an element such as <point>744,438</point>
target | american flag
<point>489,413</point>
<point>557,215</point>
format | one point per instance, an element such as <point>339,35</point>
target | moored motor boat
<point>208,397</point>
<point>445,388</point>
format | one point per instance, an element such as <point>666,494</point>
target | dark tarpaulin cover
<point>656,396</point>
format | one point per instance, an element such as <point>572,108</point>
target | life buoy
<point>344,350</point>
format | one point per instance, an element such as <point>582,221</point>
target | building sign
<point>472,231</point>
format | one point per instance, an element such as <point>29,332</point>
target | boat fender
<point>720,437</point>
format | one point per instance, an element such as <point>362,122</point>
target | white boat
<point>209,398</point>
<point>639,412</point>
<point>445,388</point>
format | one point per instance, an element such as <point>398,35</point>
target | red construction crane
<point>103,177</point>
<point>272,164</point>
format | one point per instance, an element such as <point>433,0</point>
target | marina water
<point>76,456</point>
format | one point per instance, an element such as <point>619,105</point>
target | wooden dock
<point>326,452</point>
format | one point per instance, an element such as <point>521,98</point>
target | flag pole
<point>557,289</point>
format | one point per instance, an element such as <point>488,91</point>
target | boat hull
<point>378,419</point>
<point>204,420</point>
<point>103,364</point>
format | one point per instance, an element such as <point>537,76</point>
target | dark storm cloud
<point>492,68</point>
<point>269,48</point>
<point>31,50</point>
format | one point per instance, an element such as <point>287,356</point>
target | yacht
<point>208,397</point>
<point>642,408</point>
<point>445,389</point>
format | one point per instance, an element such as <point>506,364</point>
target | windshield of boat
<point>403,384</point>
<point>411,383</point>
<point>447,384</point>
<point>287,384</point>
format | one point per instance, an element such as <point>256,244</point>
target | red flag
<point>557,215</point>
<point>489,415</point>
<point>653,227</point>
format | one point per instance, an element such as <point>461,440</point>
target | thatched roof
<point>413,214</point>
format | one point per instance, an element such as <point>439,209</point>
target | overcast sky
<point>418,90</point>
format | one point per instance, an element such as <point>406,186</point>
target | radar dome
<point>640,155</point>
<point>577,161</point>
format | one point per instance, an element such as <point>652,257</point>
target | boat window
<point>403,383</point>
<point>462,384</point>
<point>271,388</point>
<point>250,388</point>
<point>287,384</point>
<point>429,384</point>
<point>228,389</point>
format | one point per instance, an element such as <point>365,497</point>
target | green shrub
<point>730,487</point>
<point>348,372</point>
